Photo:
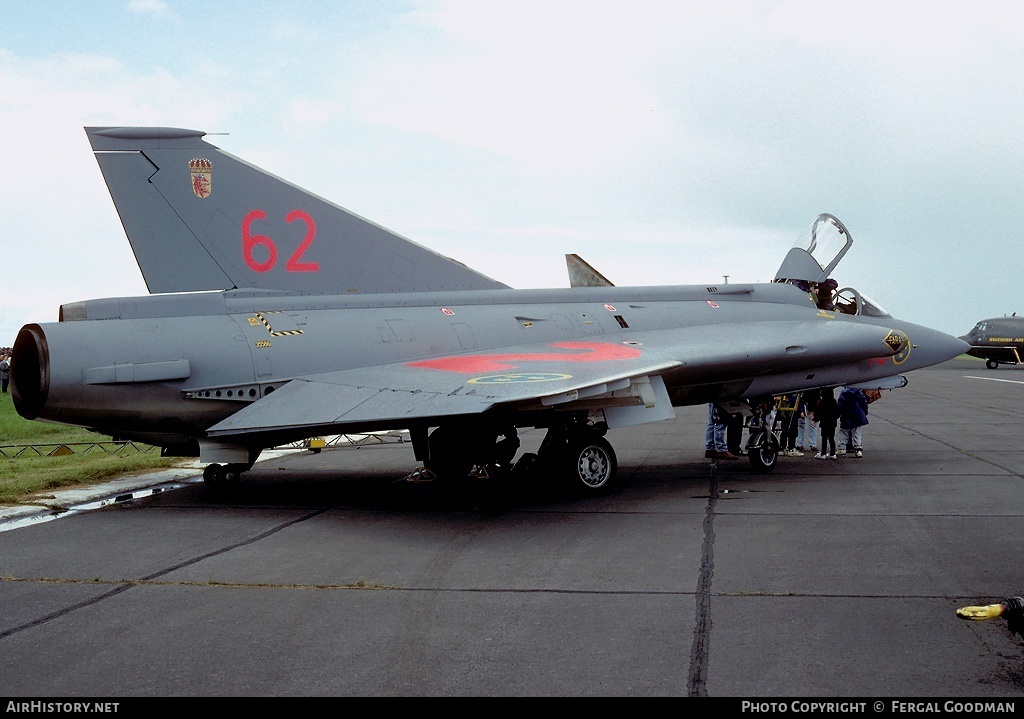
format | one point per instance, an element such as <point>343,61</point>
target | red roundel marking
<point>447,311</point>
<point>581,352</point>
<point>610,308</point>
<point>712,304</point>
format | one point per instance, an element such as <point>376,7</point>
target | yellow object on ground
<point>990,611</point>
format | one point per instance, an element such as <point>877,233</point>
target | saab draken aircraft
<point>999,340</point>
<point>277,316</point>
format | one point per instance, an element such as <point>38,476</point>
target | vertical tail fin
<point>199,218</point>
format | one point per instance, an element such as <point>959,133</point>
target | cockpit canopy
<point>811,260</point>
<point>817,251</point>
<point>850,301</point>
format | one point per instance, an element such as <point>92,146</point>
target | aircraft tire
<point>214,474</point>
<point>992,364</point>
<point>764,458</point>
<point>590,464</point>
<point>448,459</point>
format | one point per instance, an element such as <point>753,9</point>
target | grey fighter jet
<point>277,316</point>
<point>999,340</point>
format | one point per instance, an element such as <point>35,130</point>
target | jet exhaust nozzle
<point>30,371</point>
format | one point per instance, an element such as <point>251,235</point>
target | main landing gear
<point>579,454</point>
<point>574,451</point>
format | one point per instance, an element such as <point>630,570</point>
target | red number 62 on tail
<point>294,264</point>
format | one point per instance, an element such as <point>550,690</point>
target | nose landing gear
<point>762,445</point>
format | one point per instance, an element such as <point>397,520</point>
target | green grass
<point>29,477</point>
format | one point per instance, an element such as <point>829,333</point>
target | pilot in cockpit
<point>824,295</point>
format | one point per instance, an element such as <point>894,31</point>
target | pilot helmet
<point>830,283</point>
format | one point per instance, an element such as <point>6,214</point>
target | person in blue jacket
<point>853,416</point>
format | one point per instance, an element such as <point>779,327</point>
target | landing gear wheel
<point>991,364</point>
<point>217,475</point>
<point>214,474</point>
<point>764,458</point>
<point>447,457</point>
<point>591,464</point>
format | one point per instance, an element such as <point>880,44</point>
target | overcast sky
<point>665,141</point>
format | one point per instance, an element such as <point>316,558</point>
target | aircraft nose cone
<point>955,346</point>
<point>932,346</point>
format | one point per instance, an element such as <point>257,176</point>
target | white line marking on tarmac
<point>995,379</point>
<point>48,516</point>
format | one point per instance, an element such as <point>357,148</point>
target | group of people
<point>821,412</point>
<point>801,418</point>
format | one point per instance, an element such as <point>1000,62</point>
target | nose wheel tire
<point>764,458</point>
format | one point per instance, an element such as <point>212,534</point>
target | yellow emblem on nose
<point>896,340</point>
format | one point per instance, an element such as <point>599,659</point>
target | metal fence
<point>14,451</point>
